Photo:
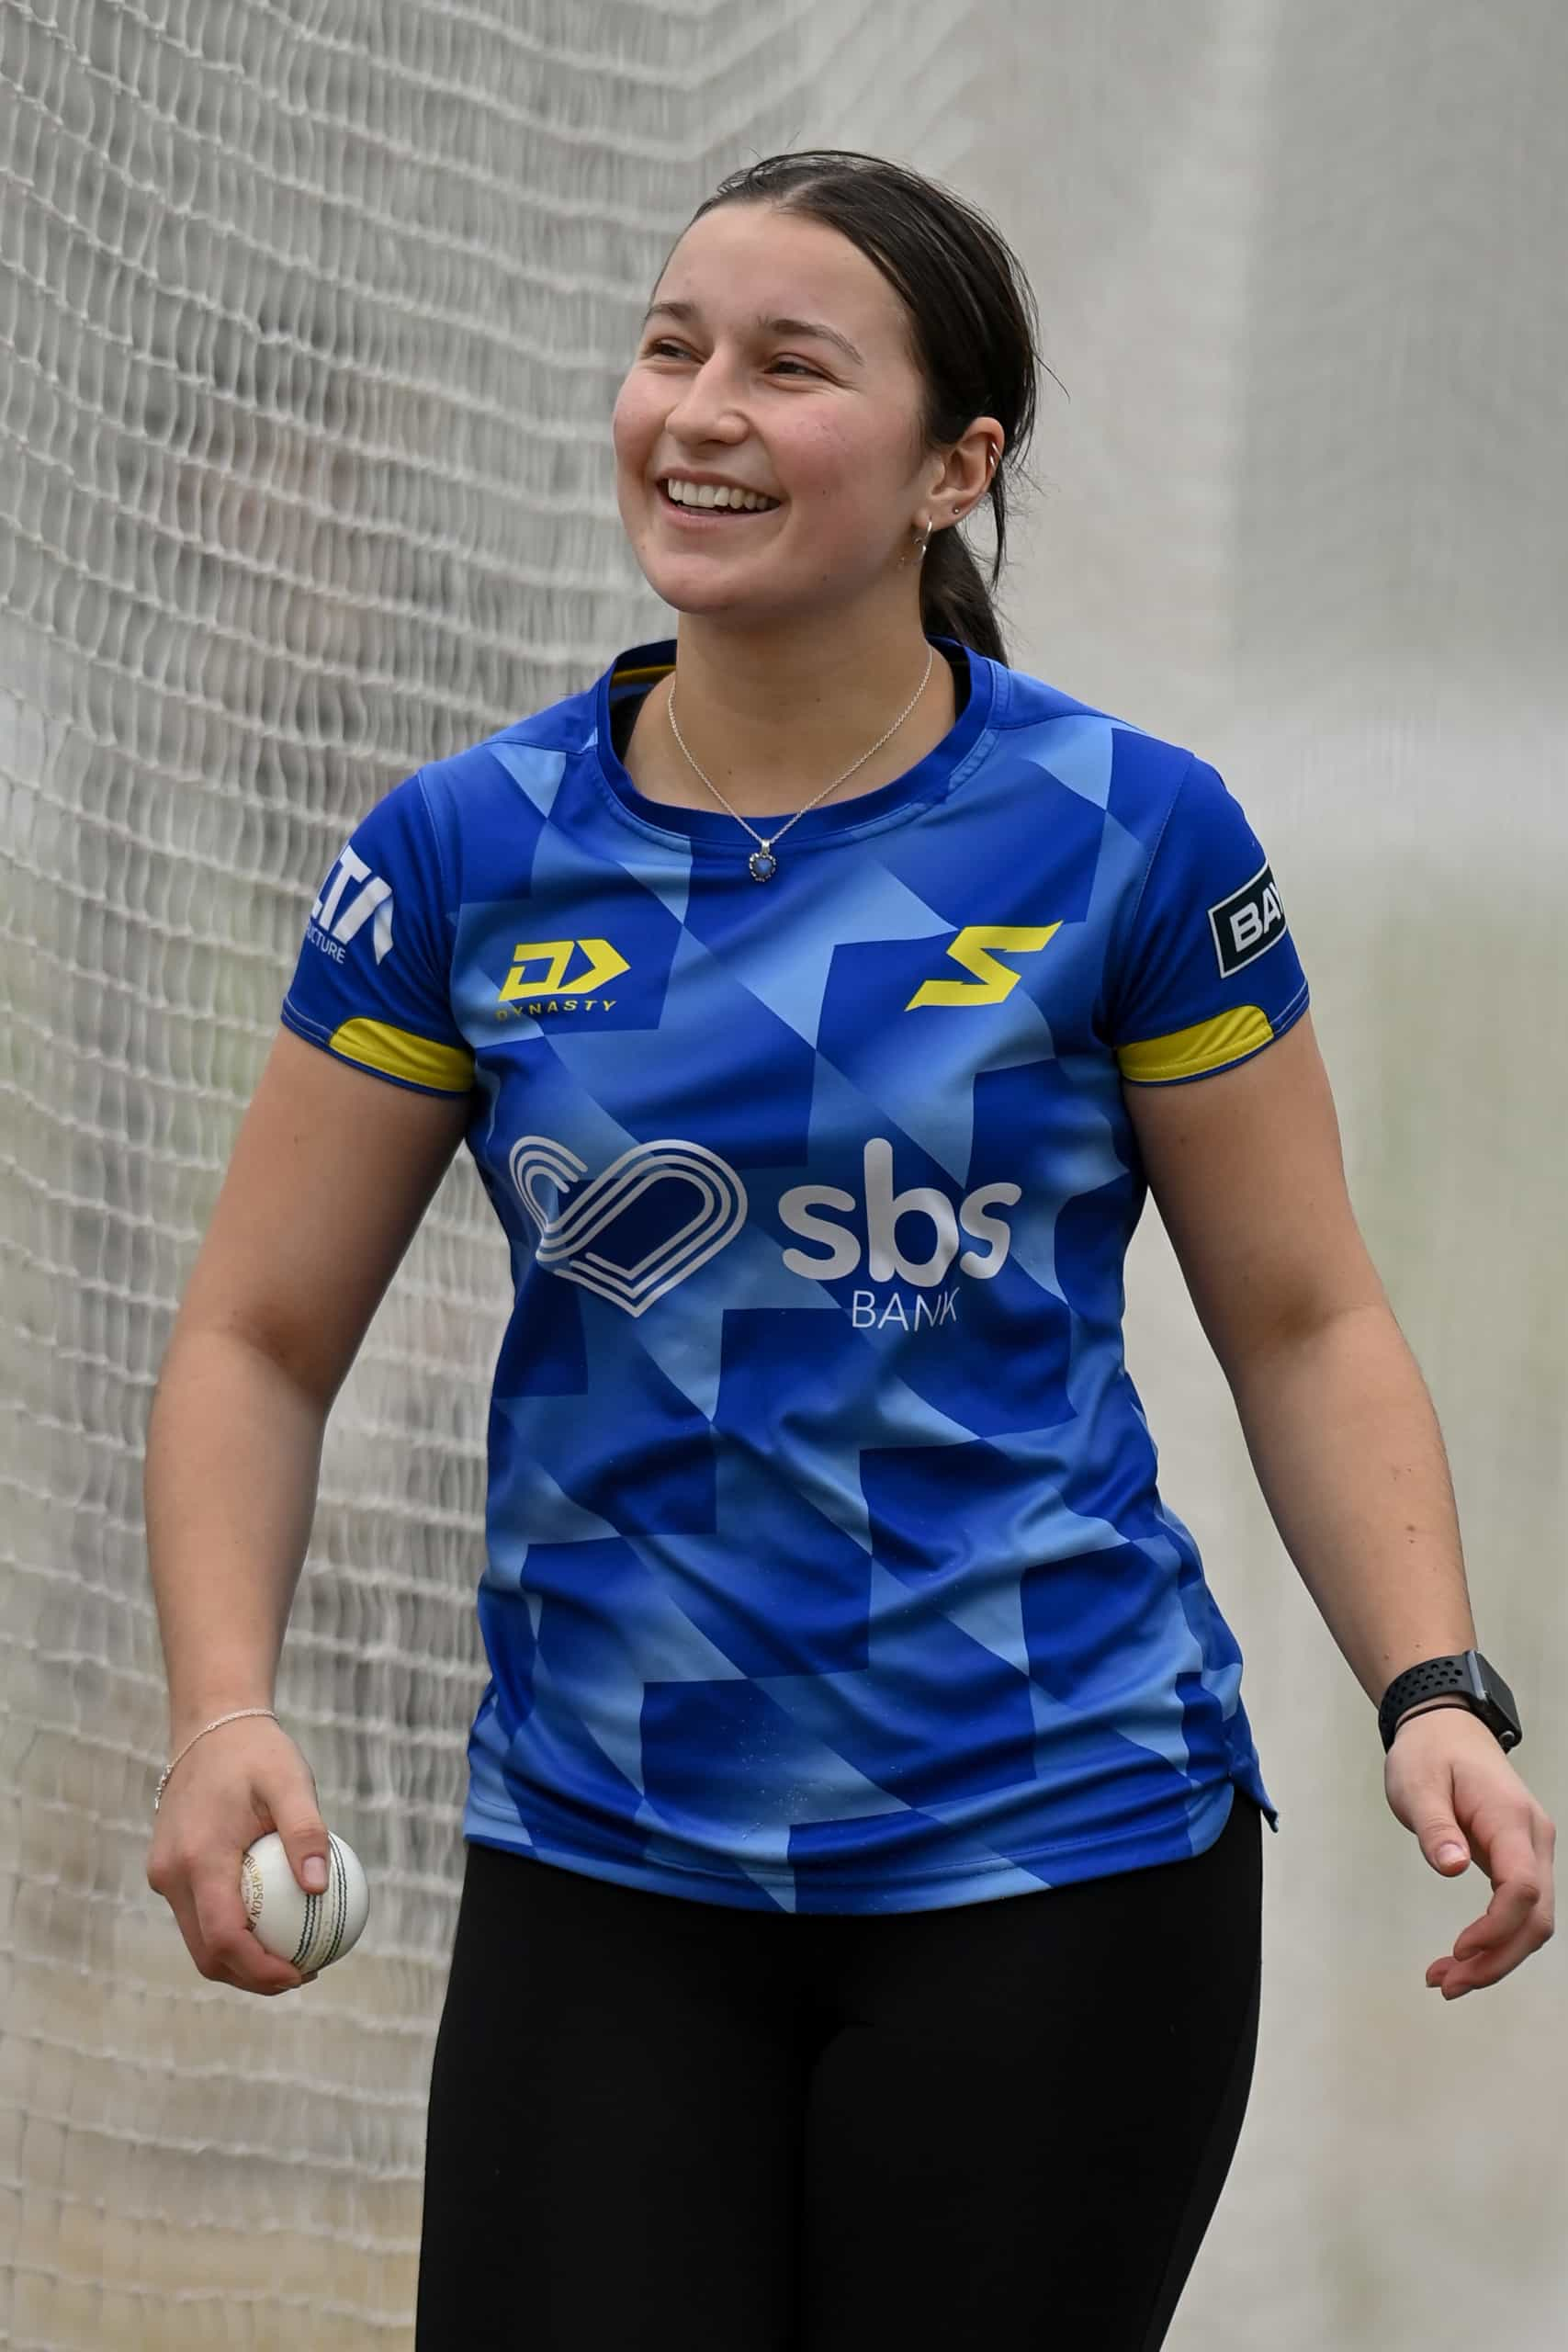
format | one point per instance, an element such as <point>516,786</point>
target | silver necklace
<point>762,864</point>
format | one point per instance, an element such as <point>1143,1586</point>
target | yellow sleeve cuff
<point>1189,1053</point>
<point>398,1053</point>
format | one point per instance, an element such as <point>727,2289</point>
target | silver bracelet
<point>216,1725</point>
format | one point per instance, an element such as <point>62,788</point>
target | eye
<point>657,350</point>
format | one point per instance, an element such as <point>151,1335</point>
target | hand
<point>239,1781</point>
<point>1448,1779</point>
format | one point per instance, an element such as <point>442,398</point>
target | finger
<point>1484,1951</point>
<point>304,1836</point>
<point>230,1950</point>
<point>1512,1904</point>
<point>1487,1963</point>
<point>179,1903</point>
<point>184,1909</point>
<point>1461,1977</point>
<point>271,1976</point>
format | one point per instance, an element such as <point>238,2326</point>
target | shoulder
<point>477,797</point>
<point>441,828</point>
<point>555,733</point>
<point>1132,774</point>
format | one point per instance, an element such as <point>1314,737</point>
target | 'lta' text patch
<point>1247,923</point>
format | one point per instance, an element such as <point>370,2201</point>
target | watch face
<point>1496,1690</point>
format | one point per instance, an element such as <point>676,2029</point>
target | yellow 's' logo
<point>972,949</point>
<point>603,963</point>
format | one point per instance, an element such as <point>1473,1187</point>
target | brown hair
<point>973,333</point>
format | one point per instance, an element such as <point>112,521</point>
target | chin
<point>716,600</point>
<point>735,614</point>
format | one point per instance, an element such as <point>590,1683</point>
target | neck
<point>772,717</point>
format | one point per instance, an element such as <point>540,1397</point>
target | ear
<point>968,472</point>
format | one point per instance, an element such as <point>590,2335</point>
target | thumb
<point>304,1836</point>
<point>1444,1848</point>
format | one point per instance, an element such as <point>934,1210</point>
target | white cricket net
<point>314,316</point>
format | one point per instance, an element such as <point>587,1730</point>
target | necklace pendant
<point>762,864</point>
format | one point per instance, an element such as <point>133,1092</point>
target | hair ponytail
<point>955,598</point>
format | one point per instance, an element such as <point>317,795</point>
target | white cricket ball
<point>311,1930</point>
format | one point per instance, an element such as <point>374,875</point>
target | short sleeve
<point>1208,971</point>
<point>373,982</point>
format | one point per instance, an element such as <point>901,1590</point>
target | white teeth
<point>689,493</point>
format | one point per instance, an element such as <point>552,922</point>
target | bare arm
<point>1246,1169</point>
<point>331,1173</point>
<point>1246,1172</point>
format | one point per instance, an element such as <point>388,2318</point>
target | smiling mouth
<point>716,513</point>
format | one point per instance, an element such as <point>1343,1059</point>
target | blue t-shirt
<point>826,1567</point>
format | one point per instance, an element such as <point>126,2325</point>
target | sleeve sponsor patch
<point>1247,924</point>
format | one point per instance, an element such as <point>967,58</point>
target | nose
<point>705,409</point>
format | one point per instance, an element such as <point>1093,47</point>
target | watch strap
<point>1465,1676</point>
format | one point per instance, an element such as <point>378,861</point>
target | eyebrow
<point>688,312</point>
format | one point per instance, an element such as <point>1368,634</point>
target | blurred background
<point>313,314</point>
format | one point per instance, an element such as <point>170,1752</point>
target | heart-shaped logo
<point>567,1229</point>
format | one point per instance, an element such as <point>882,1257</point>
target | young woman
<point>860,1933</point>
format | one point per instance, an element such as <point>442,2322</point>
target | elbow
<point>1266,1340</point>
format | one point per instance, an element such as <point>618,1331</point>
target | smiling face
<point>728,387</point>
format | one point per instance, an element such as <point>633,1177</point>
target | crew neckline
<point>931,778</point>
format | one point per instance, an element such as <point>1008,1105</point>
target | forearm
<point>1352,1464</point>
<point>234,1454</point>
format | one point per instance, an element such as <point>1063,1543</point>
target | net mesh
<point>311,317</point>
<point>315,316</point>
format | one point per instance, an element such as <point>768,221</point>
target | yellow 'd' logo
<point>992,980</point>
<point>603,963</point>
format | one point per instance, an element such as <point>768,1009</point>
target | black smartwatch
<point>1466,1677</point>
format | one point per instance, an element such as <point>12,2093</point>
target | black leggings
<point>656,2122</point>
